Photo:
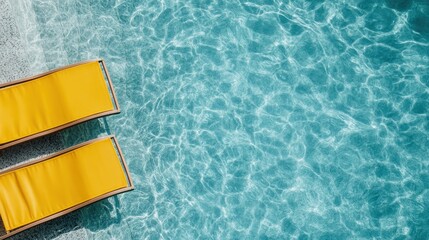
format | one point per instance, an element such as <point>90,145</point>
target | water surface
<point>259,119</point>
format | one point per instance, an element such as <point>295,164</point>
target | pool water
<point>260,119</point>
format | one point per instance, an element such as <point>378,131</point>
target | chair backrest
<point>55,100</point>
<point>40,190</point>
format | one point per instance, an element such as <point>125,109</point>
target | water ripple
<point>261,119</point>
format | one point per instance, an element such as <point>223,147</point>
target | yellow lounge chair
<point>55,100</point>
<point>43,189</point>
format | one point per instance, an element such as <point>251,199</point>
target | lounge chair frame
<point>83,204</point>
<point>116,109</point>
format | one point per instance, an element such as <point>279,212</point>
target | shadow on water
<point>32,149</point>
<point>85,132</point>
<point>94,217</point>
<point>101,215</point>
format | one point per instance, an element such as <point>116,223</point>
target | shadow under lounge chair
<point>43,189</point>
<point>55,100</point>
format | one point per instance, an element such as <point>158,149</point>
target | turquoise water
<point>258,119</point>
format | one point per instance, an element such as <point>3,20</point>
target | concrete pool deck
<point>13,62</point>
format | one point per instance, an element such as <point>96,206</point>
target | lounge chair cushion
<point>37,191</point>
<point>52,100</point>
